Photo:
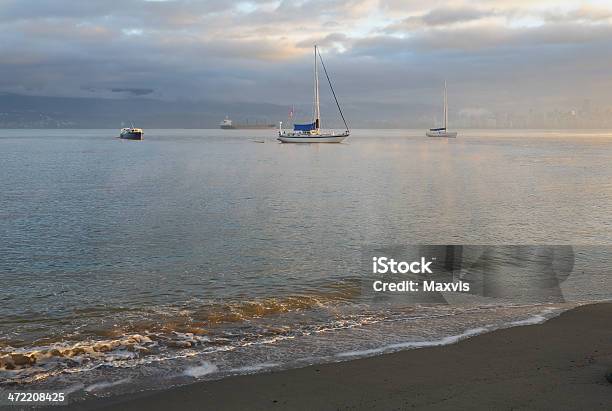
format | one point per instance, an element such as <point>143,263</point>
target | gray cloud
<point>455,15</point>
<point>582,14</point>
<point>491,36</point>
<point>444,17</point>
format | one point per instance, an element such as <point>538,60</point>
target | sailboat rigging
<point>443,131</point>
<point>311,132</point>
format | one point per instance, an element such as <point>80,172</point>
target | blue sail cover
<point>304,127</point>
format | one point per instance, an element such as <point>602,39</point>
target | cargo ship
<point>228,124</point>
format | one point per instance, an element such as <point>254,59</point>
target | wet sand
<point>561,364</point>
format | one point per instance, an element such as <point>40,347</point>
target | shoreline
<point>559,364</point>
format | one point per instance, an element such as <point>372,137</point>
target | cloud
<point>333,40</point>
<point>443,17</point>
<point>582,14</point>
<point>485,36</point>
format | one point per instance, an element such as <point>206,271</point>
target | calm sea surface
<point>203,253</point>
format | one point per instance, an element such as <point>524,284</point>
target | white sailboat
<point>443,131</point>
<point>311,132</point>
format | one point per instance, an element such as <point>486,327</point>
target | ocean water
<point>199,254</point>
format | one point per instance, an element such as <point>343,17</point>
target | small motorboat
<point>131,133</point>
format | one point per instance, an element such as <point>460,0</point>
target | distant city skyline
<point>507,63</point>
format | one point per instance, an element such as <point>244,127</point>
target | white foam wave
<point>536,319</point>
<point>540,318</point>
<point>452,339</point>
<point>255,367</point>
<point>203,369</point>
<point>73,388</point>
<point>106,384</point>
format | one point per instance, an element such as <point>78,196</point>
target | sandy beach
<point>561,364</point>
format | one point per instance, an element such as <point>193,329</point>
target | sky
<point>495,55</point>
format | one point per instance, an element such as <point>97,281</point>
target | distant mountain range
<point>21,111</point>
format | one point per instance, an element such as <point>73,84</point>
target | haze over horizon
<point>386,57</point>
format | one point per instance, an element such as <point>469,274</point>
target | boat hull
<point>446,134</point>
<point>321,138</point>
<point>131,136</point>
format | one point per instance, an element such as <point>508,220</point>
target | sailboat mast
<point>445,107</point>
<point>317,110</point>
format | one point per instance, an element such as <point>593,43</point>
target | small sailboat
<point>443,131</point>
<point>311,132</point>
